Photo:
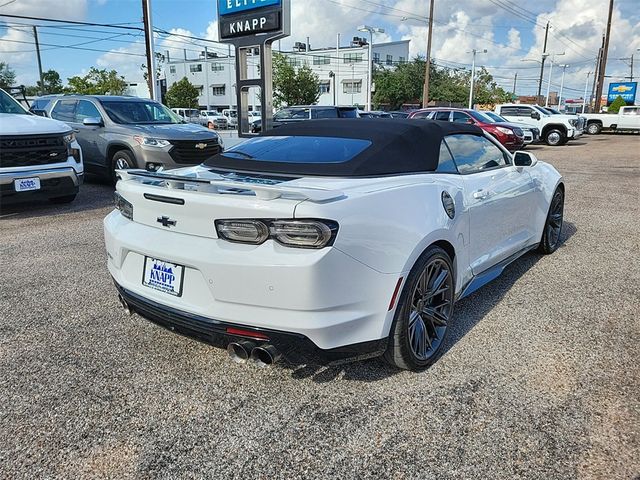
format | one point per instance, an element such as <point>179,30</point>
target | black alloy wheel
<point>424,313</point>
<point>553,226</point>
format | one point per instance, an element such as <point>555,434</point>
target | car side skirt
<point>490,274</point>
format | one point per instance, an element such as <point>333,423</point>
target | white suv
<point>40,157</point>
<point>554,129</point>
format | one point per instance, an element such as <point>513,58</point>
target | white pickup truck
<point>39,157</point>
<point>627,119</point>
<point>554,129</point>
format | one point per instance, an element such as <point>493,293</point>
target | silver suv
<point>129,132</point>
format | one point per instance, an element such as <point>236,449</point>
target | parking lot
<point>540,378</point>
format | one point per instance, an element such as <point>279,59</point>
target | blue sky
<point>511,33</point>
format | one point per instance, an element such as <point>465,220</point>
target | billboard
<point>626,90</point>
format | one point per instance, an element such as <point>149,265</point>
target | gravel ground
<point>540,379</point>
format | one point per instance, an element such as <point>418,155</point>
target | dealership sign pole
<point>252,26</point>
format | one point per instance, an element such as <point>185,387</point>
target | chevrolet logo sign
<point>201,146</point>
<point>621,88</point>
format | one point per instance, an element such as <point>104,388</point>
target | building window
<point>172,69</point>
<point>217,67</point>
<point>195,67</point>
<point>376,57</point>
<point>352,57</point>
<point>219,90</point>
<point>389,59</point>
<point>401,60</point>
<point>295,61</point>
<point>321,60</point>
<point>352,86</point>
<point>325,87</point>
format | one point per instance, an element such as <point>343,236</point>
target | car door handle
<point>481,194</point>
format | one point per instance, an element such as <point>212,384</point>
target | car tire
<point>121,160</point>
<point>63,199</point>
<point>553,225</point>
<point>594,128</point>
<point>555,138</point>
<point>416,340</point>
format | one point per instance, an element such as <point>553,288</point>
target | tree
<point>404,85</point>
<point>97,82</point>
<point>616,104</point>
<point>182,94</point>
<point>291,86</point>
<point>7,75</point>
<point>52,84</point>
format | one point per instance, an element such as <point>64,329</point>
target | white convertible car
<point>326,241</point>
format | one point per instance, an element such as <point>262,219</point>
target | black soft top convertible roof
<point>397,146</point>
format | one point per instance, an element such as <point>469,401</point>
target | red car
<point>509,135</point>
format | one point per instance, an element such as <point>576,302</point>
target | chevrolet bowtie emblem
<point>201,146</point>
<point>166,221</point>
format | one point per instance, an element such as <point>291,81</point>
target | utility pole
<point>544,50</point>
<point>35,36</point>
<point>151,60</point>
<point>206,76</point>
<point>425,90</point>
<point>586,87</point>
<point>605,52</point>
<point>596,74</point>
<point>515,81</point>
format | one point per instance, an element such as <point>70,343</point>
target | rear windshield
<point>348,113</point>
<point>299,149</point>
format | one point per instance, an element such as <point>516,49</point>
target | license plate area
<point>27,184</point>
<point>163,276</point>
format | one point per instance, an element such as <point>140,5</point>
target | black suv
<point>306,112</point>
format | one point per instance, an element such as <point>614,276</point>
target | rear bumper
<point>322,295</point>
<point>54,182</point>
<point>295,348</point>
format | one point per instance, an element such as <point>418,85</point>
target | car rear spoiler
<point>263,192</point>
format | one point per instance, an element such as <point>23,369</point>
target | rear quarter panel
<point>389,228</point>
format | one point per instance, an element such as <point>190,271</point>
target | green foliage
<point>97,82</point>
<point>7,75</point>
<point>405,83</point>
<point>52,84</point>
<point>616,104</point>
<point>182,94</point>
<point>291,86</point>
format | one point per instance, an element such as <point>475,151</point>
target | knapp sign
<point>626,90</point>
<point>241,18</point>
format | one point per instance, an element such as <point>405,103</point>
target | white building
<point>343,72</point>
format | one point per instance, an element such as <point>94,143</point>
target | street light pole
<point>371,30</point>
<point>564,68</point>
<point>586,87</point>
<point>473,75</point>
<point>553,59</point>
<point>425,90</point>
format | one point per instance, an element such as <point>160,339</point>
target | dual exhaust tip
<point>262,356</point>
<point>240,352</point>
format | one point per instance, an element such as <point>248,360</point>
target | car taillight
<point>123,206</point>
<point>305,233</point>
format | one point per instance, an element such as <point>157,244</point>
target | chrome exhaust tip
<point>125,305</point>
<point>240,351</point>
<point>265,355</point>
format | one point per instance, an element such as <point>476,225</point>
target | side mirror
<point>470,121</point>
<point>535,115</point>
<point>40,113</point>
<point>524,159</point>
<point>92,122</point>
